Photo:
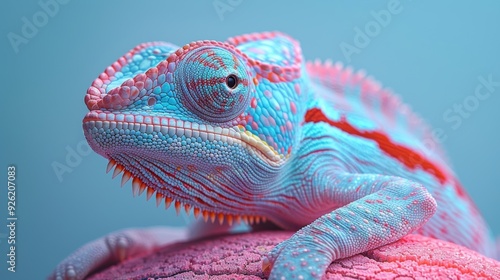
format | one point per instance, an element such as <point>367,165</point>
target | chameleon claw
<point>266,266</point>
<point>71,273</point>
<point>122,248</point>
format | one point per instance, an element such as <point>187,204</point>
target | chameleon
<point>246,130</point>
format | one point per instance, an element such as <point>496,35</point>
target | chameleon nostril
<point>151,101</point>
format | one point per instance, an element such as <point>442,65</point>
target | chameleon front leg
<point>377,210</point>
<point>114,248</point>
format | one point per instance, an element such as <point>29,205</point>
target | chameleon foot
<point>114,248</point>
<point>299,257</point>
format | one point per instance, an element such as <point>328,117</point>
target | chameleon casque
<point>246,130</point>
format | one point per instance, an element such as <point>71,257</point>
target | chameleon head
<point>174,120</point>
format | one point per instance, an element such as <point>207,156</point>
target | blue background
<point>430,53</point>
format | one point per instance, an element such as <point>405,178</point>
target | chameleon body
<point>247,130</point>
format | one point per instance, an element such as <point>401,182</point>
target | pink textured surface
<point>239,257</point>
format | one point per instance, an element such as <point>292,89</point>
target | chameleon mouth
<point>138,187</point>
<point>170,127</point>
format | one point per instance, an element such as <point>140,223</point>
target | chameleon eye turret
<point>214,83</point>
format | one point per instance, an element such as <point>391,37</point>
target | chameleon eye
<point>214,83</point>
<point>232,81</point>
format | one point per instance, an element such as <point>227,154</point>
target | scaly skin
<point>245,130</point>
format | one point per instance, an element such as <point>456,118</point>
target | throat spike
<point>205,215</point>
<point>136,183</point>
<point>221,218</point>
<point>257,220</point>
<point>142,188</point>
<point>159,198</point>
<point>135,188</point>
<point>177,207</point>
<point>187,207</point>
<point>168,202</point>
<point>196,212</point>
<point>118,170</point>
<point>150,193</point>
<point>230,220</point>
<point>110,166</point>
<point>125,177</point>
<point>212,217</point>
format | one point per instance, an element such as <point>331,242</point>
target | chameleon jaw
<point>138,187</point>
<point>170,127</point>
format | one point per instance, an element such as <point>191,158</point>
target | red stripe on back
<point>405,155</point>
